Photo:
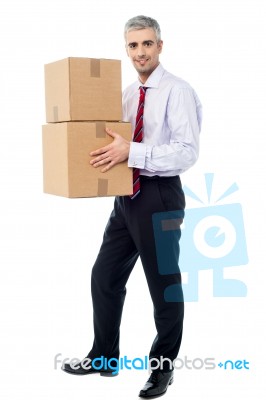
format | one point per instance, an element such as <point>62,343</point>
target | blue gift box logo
<point>212,237</point>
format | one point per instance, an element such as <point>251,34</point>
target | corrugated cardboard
<point>66,161</point>
<point>83,89</point>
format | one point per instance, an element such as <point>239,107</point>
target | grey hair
<point>142,22</point>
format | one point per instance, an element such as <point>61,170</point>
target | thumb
<point>111,133</point>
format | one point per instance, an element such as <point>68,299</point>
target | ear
<point>160,46</point>
<point>126,49</point>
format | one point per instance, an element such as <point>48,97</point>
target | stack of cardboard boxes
<point>83,97</point>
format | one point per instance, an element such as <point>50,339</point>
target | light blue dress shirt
<point>171,124</point>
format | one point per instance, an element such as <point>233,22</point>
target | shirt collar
<point>155,77</point>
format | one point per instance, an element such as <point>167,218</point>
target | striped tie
<point>138,136</point>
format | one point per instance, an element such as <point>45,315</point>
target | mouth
<point>141,62</point>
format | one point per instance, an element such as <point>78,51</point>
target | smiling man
<point>165,114</point>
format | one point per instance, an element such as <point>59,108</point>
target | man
<point>165,144</point>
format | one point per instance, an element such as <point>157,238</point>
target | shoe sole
<point>153,396</point>
<point>102,373</point>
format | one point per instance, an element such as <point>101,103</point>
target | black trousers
<point>129,234</point>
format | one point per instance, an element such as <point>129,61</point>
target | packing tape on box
<point>55,113</point>
<point>100,129</point>
<point>102,183</point>
<point>95,68</point>
<point>102,187</point>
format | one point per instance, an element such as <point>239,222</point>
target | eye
<point>132,45</point>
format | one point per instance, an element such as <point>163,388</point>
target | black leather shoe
<point>85,368</point>
<point>157,384</point>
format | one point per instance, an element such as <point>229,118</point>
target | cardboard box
<point>66,161</point>
<point>83,89</point>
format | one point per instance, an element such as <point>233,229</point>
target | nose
<point>141,52</point>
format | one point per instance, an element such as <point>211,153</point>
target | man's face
<point>143,50</point>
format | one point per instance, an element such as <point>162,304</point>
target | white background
<point>48,244</point>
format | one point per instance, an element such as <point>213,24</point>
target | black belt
<point>156,177</point>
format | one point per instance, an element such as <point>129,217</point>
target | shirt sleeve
<point>183,120</point>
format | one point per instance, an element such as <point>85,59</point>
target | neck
<point>145,75</point>
<point>143,78</point>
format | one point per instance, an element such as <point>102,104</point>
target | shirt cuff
<point>137,155</point>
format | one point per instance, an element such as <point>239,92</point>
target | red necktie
<point>138,136</point>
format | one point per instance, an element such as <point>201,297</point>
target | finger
<point>100,158</point>
<point>110,132</point>
<point>97,152</point>
<point>107,167</point>
<point>101,162</point>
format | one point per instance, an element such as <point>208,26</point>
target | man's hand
<point>112,154</point>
